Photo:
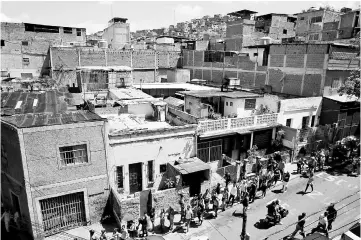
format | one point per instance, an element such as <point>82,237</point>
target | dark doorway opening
<point>194,181</point>
<point>135,177</point>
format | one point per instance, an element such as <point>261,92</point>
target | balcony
<point>236,123</point>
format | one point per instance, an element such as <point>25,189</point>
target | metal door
<point>135,177</point>
<point>63,212</point>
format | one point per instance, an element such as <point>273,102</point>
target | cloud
<point>187,12</point>
<point>22,18</point>
<point>91,27</point>
<point>105,2</point>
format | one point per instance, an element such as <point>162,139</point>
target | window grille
<point>73,155</point>
<point>119,180</point>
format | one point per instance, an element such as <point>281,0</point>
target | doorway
<point>194,181</point>
<point>145,202</point>
<point>135,177</point>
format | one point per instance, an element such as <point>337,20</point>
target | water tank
<point>102,44</point>
<point>266,40</point>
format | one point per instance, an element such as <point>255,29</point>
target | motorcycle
<point>273,219</point>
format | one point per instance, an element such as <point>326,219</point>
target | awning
<point>190,165</point>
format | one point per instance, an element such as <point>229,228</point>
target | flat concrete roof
<point>185,86</point>
<point>343,98</point>
<point>219,93</point>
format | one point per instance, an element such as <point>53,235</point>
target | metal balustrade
<point>235,123</point>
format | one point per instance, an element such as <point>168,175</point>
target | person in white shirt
<point>188,216</point>
<point>322,225</point>
<point>233,193</point>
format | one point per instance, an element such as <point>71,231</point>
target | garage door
<point>262,139</point>
<point>63,212</point>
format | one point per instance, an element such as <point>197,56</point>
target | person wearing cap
<point>332,214</point>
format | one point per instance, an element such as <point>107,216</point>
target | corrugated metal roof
<point>128,94</point>
<point>174,101</point>
<point>49,119</point>
<point>219,93</point>
<point>191,165</point>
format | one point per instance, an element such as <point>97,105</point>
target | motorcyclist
<point>278,215</point>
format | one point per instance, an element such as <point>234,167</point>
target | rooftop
<point>244,11</point>
<point>219,93</point>
<point>108,68</point>
<point>128,94</point>
<point>190,165</point>
<point>50,119</point>
<point>277,14</point>
<point>343,98</point>
<point>174,101</point>
<point>129,122</point>
<point>185,86</point>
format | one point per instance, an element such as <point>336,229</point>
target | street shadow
<point>237,214</point>
<point>301,192</point>
<point>294,173</point>
<point>261,225</point>
<point>277,191</point>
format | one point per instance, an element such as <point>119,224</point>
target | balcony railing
<point>236,123</point>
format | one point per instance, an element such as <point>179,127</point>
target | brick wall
<point>146,75</point>
<point>198,58</point>
<point>117,58</point>
<point>170,197</point>
<point>174,59</point>
<point>275,77</point>
<point>247,78</point>
<point>295,60</point>
<point>292,84</point>
<point>312,85</point>
<point>230,74</point>
<point>144,59</point>
<point>162,59</point>
<point>65,77</point>
<point>315,60</point>
<point>92,58</point>
<point>197,73</point>
<point>207,74</point>
<point>276,60</point>
<point>64,58</point>
<point>260,80</point>
<point>217,77</point>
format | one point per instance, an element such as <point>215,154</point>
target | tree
<point>351,87</point>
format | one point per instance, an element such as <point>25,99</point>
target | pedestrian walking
<point>182,206</point>
<point>264,188</point>
<point>300,226</point>
<point>331,215</point>
<point>207,198</point>
<point>245,203</point>
<point>171,214</point>
<point>233,194</point>
<point>143,222</point>
<point>310,182</point>
<point>162,220</point>
<point>215,206</point>
<point>281,166</point>
<point>188,217</point>
<point>200,212</point>
<point>286,179</point>
<point>218,188</point>
<point>228,178</point>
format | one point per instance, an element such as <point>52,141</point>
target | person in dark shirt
<point>245,203</point>
<point>228,178</point>
<point>332,214</point>
<point>300,226</point>
<point>218,188</point>
<point>252,192</point>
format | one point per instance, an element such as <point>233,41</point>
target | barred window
<point>73,155</point>
<point>119,177</point>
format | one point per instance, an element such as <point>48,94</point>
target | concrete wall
<point>165,40</point>
<point>160,145</point>
<point>271,101</point>
<point>238,107</point>
<point>347,23</point>
<point>255,54</point>
<point>193,104</point>
<point>117,35</point>
<point>297,108</point>
<point>49,179</point>
<point>178,75</point>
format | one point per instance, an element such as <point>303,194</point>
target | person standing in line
<point>224,199</point>
<point>182,207</point>
<point>218,189</point>
<point>188,217</point>
<point>245,203</point>
<point>300,226</point>
<point>281,167</point>
<point>207,198</point>
<point>264,188</point>
<point>233,193</point>
<point>215,206</point>
<point>228,178</point>
<point>286,179</point>
<point>162,220</point>
<point>310,182</point>
<point>331,216</point>
<point>171,218</point>
<point>200,212</point>
<point>152,218</point>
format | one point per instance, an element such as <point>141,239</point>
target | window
<point>231,104</point>
<point>313,121</point>
<point>119,177</point>
<point>25,43</point>
<point>288,122</point>
<point>305,121</point>
<point>150,171</point>
<point>162,168</point>
<point>78,32</point>
<point>2,43</point>
<point>284,31</point>
<point>73,155</point>
<point>226,103</point>
<point>255,54</point>
<point>314,37</point>
<point>302,18</point>
<point>68,30</point>
<point>15,202</point>
<point>316,19</point>
<point>26,61</point>
<point>250,104</point>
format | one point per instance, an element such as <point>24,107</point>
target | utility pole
<point>244,235</point>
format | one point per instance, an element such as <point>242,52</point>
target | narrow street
<point>328,188</point>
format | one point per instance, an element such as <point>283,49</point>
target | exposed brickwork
<point>245,63</point>
<point>277,49</point>
<point>186,58</point>
<point>197,73</point>
<point>276,60</point>
<point>312,85</point>
<point>217,64</point>
<point>317,48</point>
<point>65,77</point>
<point>315,60</point>
<point>64,58</point>
<point>217,77</point>
<point>230,74</point>
<point>261,68</point>
<point>260,80</point>
<point>146,76</point>
<point>144,59</point>
<point>247,78</point>
<point>296,49</point>
<point>207,75</point>
<point>92,58</point>
<point>174,59</point>
<point>198,58</point>
<point>170,197</point>
<point>117,58</point>
<point>274,79</point>
<point>163,59</point>
<point>292,84</point>
<point>130,207</point>
<point>295,60</point>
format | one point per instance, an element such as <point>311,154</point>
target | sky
<point>94,15</point>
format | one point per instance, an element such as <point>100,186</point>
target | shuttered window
<point>119,177</point>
